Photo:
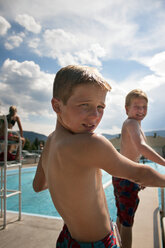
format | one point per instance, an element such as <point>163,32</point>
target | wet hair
<point>71,76</point>
<point>136,93</point>
<point>12,109</point>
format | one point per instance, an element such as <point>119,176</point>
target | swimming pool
<point>41,203</point>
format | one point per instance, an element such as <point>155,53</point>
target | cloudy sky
<point>125,40</point>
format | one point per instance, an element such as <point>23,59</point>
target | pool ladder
<point>4,166</point>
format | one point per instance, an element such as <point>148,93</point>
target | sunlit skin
<point>132,133</point>
<point>72,160</point>
<point>133,145</point>
<point>84,110</point>
<point>137,110</point>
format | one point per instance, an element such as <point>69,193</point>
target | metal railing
<point>162,209</point>
<point>4,165</point>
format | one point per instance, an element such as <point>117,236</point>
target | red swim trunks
<point>66,241</point>
<point>10,156</point>
<point>10,135</point>
<point>127,200</point>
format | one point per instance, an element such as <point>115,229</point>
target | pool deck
<point>147,226</point>
<point>34,231</point>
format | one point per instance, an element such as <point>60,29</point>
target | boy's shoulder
<point>83,139</point>
<point>82,149</point>
<point>130,122</point>
<point>76,142</point>
<point>130,126</point>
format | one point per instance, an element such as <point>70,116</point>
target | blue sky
<point>124,40</point>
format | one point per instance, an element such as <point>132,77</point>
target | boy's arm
<point>39,182</point>
<point>101,154</point>
<point>144,149</point>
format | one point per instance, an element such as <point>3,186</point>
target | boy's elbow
<point>141,176</point>
<point>37,187</point>
<point>140,147</point>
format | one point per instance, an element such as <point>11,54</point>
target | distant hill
<point>158,133</point>
<point>147,133</point>
<point>110,136</point>
<point>32,136</point>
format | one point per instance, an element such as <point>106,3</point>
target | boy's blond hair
<point>71,76</point>
<point>136,93</point>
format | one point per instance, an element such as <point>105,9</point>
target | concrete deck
<point>30,232</point>
<point>33,231</point>
<point>147,227</point>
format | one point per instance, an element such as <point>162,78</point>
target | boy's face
<point>84,109</point>
<point>137,109</point>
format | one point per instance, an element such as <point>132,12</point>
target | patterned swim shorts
<point>66,241</point>
<point>127,200</point>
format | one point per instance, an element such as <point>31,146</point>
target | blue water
<point>160,169</point>
<point>41,203</point>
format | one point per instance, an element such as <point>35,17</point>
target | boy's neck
<point>60,127</point>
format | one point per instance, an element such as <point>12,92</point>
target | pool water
<point>33,203</point>
<point>41,203</point>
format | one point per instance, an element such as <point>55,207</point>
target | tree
<point>27,145</point>
<point>36,144</point>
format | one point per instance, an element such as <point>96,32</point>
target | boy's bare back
<point>76,187</point>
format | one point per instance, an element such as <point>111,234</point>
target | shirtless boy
<point>72,159</point>
<point>133,145</point>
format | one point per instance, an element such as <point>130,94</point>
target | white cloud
<point>91,56</point>
<point>157,64</point>
<point>29,23</point>
<point>156,78</point>
<point>13,42</point>
<point>68,48</point>
<point>114,26</point>
<point>151,82</point>
<point>59,41</point>
<point>27,87</point>
<point>4,26</point>
<point>33,43</point>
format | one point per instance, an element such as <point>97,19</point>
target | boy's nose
<point>93,113</point>
<point>140,109</point>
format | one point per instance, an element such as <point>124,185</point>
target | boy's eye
<point>139,107</point>
<point>84,105</point>
<point>101,107</point>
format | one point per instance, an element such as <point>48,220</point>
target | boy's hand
<point>39,182</point>
<point>142,187</point>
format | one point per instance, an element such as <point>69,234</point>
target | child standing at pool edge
<point>133,145</point>
<point>72,159</point>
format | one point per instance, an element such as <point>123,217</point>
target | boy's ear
<point>126,109</point>
<point>56,105</point>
